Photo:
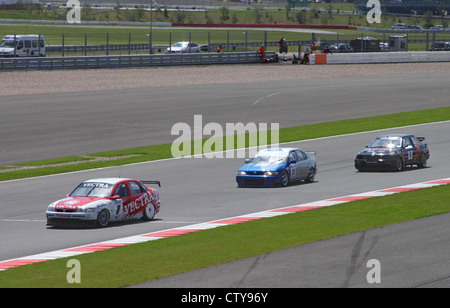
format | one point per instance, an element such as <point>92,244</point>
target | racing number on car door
<point>122,191</point>
<point>409,146</point>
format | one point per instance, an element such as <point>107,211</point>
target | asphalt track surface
<point>35,127</point>
<point>198,190</point>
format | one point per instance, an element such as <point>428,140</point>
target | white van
<point>22,46</point>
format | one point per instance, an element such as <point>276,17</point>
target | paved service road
<point>410,254</point>
<point>42,126</point>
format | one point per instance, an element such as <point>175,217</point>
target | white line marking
<point>264,97</point>
<point>168,159</point>
<point>212,224</point>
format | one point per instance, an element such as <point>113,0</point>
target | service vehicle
<point>399,26</point>
<point>393,152</point>
<point>441,46</point>
<point>183,47</point>
<point>23,46</point>
<point>105,200</point>
<point>341,48</point>
<point>277,167</point>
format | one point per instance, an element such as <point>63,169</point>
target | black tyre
<point>103,218</point>
<point>311,175</point>
<point>149,212</point>
<point>398,164</point>
<point>423,162</point>
<point>284,178</point>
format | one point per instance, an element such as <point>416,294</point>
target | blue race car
<point>277,167</point>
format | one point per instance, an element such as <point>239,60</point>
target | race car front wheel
<point>103,218</point>
<point>149,212</point>
<point>399,164</point>
<point>284,178</point>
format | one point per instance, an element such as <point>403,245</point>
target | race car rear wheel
<point>284,178</point>
<point>423,162</point>
<point>103,218</point>
<point>149,212</point>
<point>311,175</point>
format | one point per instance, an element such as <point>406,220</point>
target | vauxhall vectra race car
<point>277,167</point>
<point>104,200</point>
<point>393,152</point>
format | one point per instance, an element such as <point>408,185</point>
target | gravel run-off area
<point>60,81</point>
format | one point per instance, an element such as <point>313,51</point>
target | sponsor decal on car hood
<point>375,151</point>
<point>73,203</point>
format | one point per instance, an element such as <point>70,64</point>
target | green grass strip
<point>54,161</point>
<point>155,152</point>
<point>129,265</point>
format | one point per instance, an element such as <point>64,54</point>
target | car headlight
<point>270,173</point>
<point>242,173</point>
<point>85,210</point>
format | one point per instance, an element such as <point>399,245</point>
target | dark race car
<point>393,152</point>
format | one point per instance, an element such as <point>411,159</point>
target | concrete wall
<point>384,57</point>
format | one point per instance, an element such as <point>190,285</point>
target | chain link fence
<point>157,40</point>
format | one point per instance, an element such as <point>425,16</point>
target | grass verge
<point>155,152</point>
<point>129,265</point>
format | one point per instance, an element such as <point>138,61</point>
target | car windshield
<point>269,158</point>
<point>92,189</point>
<point>7,44</point>
<point>178,45</point>
<point>386,142</point>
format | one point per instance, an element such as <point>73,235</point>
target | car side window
<point>415,141</point>
<point>121,190</point>
<point>143,188</point>
<point>292,156</point>
<point>300,155</point>
<point>135,189</point>
<point>407,142</point>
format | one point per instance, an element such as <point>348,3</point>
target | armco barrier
<point>302,26</point>
<point>380,57</point>
<point>84,62</point>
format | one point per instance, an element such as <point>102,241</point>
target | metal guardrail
<point>145,46</point>
<point>85,62</point>
<point>101,48</point>
<point>66,49</point>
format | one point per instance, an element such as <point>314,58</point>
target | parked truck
<point>31,45</point>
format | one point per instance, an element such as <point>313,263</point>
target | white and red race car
<point>105,200</point>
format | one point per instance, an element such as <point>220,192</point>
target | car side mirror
<point>247,160</point>
<point>116,197</point>
<point>293,161</point>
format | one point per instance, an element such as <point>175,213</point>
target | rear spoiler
<point>152,182</point>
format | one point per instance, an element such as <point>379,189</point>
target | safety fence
<point>86,62</point>
<point>122,42</point>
